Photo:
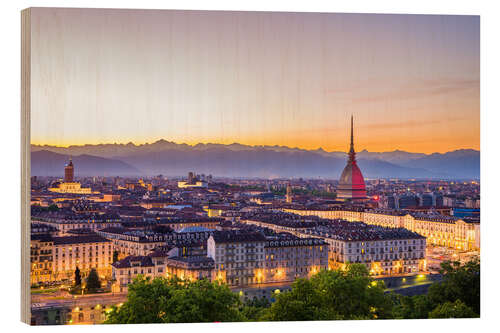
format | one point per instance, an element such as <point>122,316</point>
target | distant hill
<point>458,163</point>
<point>237,160</point>
<point>46,163</point>
<point>261,163</point>
<point>396,156</point>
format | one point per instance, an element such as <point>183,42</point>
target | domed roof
<point>351,182</point>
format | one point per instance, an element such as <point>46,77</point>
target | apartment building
<point>66,221</point>
<point>288,258</point>
<point>84,252</point>
<point>384,251</point>
<point>246,258</point>
<point>126,270</point>
<point>448,231</point>
<point>41,247</point>
<point>132,242</point>
<point>238,257</point>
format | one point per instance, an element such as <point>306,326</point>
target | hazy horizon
<point>256,78</point>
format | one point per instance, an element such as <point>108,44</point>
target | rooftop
<point>79,239</point>
<point>237,237</point>
<point>359,231</point>
<point>134,261</point>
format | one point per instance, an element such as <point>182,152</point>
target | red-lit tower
<point>351,182</point>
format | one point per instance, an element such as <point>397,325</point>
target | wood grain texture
<point>25,163</point>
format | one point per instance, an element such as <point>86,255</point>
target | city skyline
<point>218,166</point>
<point>411,81</point>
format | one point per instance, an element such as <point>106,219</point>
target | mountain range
<point>47,163</point>
<point>238,160</point>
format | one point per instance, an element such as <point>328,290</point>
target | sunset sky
<point>294,79</point>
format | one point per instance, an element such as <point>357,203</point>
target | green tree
<point>460,282</point>
<point>330,295</point>
<point>78,277</point>
<point>411,307</point>
<point>115,256</point>
<point>255,309</point>
<point>203,301</point>
<point>176,301</point>
<point>93,282</point>
<point>143,301</point>
<point>457,309</point>
<point>457,295</point>
<point>301,303</point>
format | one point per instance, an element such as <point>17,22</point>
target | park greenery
<point>115,256</point>
<point>92,283</point>
<point>163,300</point>
<point>328,295</point>
<point>78,277</point>
<point>457,296</point>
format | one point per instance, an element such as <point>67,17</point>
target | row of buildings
<point>232,256</point>
<point>388,242</point>
<point>440,230</point>
<point>383,250</point>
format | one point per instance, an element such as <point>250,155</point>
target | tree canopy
<point>78,277</point>
<point>328,295</point>
<point>460,282</point>
<point>115,256</point>
<point>93,282</point>
<point>457,296</point>
<point>457,309</point>
<point>163,300</point>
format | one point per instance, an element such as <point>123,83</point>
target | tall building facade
<point>288,193</point>
<point>69,172</point>
<point>84,252</point>
<point>351,182</point>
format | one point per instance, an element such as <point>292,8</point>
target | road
<point>78,301</point>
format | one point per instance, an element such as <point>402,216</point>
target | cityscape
<point>256,235</point>
<point>192,166</point>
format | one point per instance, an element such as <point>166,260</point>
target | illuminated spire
<point>352,153</point>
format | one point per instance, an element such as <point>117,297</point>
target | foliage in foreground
<point>93,282</point>
<point>164,300</point>
<point>328,295</point>
<point>78,277</point>
<point>457,296</point>
<point>452,310</point>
